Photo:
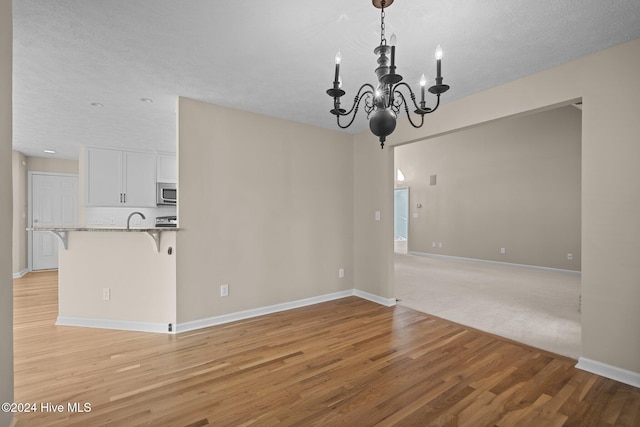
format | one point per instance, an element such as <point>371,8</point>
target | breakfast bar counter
<point>117,278</point>
<point>62,232</point>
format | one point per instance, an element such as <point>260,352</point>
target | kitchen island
<point>117,278</point>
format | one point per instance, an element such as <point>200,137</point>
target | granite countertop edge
<point>105,229</point>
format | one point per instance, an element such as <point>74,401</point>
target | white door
<point>54,204</point>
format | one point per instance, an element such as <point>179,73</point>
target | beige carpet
<point>532,306</point>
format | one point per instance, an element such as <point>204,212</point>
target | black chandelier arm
<point>419,108</point>
<point>356,104</point>
<point>437,104</point>
<point>354,110</point>
<point>406,109</point>
<point>358,97</point>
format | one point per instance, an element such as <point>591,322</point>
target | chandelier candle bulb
<point>423,84</point>
<point>393,41</point>
<point>439,61</point>
<point>338,60</point>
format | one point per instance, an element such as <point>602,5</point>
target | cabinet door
<point>167,168</point>
<point>140,179</point>
<point>103,177</point>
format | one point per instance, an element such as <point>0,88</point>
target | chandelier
<point>383,102</point>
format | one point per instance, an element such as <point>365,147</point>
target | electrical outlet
<point>341,273</point>
<point>224,290</point>
<point>433,244</point>
<point>440,245</point>
<point>106,294</point>
<point>503,250</point>
<point>377,215</point>
<point>570,257</point>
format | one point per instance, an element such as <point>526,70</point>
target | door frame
<point>30,175</point>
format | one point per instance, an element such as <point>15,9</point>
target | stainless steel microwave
<point>166,194</point>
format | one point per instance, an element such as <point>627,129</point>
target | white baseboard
<point>608,371</point>
<point>20,273</point>
<point>113,324</point>
<point>486,261</point>
<point>218,320</point>
<point>389,302</point>
<point>261,311</point>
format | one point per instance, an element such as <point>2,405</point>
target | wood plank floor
<point>348,362</point>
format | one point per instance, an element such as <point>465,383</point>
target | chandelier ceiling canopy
<point>383,103</point>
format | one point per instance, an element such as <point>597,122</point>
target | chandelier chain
<point>383,39</point>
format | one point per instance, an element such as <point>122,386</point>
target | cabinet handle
<point>125,197</point>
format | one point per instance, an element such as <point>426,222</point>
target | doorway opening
<point>504,218</point>
<point>401,219</point>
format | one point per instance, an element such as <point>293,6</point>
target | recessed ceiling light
<point>97,104</point>
<point>146,99</point>
<point>49,151</point>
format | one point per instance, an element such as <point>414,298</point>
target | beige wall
<point>373,182</point>
<point>6,213</point>
<point>265,206</point>
<point>19,167</point>
<point>608,85</point>
<point>45,164</point>
<point>512,183</point>
<point>142,281</point>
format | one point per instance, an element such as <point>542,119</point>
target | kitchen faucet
<point>132,214</point>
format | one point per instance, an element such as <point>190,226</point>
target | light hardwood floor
<point>348,362</point>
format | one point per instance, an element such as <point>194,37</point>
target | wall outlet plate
<point>341,273</point>
<point>106,294</point>
<point>224,290</point>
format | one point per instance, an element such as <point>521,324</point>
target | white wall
<point>6,211</point>
<point>608,84</point>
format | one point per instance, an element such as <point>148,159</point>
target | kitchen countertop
<point>61,232</point>
<point>102,229</point>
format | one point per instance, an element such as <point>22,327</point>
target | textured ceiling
<point>274,58</point>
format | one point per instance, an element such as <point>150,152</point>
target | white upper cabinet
<point>139,184</point>
<point>103,177</point>
<point>167,168</point>
<point>120,178</point>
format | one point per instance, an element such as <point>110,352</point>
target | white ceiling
<point>269,57</point>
